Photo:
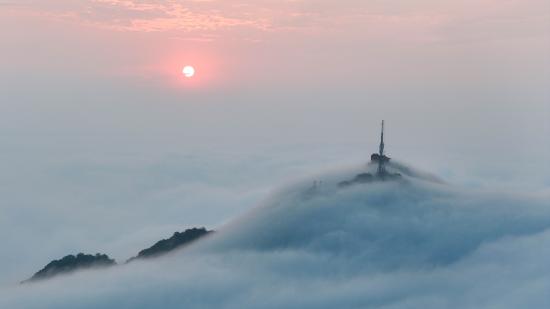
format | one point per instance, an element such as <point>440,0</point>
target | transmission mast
<point>381,168</point>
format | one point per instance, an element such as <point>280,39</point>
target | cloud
<point>119,198</point>
<point>424,22</point>
<point>407,244</point>
<point>144,16</point>
<point>162,16</point>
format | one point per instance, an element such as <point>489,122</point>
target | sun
<point>188,71</point>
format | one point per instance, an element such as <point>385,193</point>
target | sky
<point>106,147</point>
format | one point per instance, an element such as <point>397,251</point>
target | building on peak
<point>381,161</point>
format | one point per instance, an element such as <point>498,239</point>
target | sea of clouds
<point>413,243</point>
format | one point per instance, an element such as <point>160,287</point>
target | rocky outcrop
<point>72,263</point>
<point>179,239</point>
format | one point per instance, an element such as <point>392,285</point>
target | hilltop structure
<point>381,160</point>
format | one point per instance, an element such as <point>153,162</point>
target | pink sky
<point>252,41</point>
<point>426,63</point>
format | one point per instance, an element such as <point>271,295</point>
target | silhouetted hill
<point>71,263</point>
<point>177,240</point>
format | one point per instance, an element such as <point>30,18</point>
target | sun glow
<point>188,71</point>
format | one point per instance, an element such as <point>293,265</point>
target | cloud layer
<point>407,244</point>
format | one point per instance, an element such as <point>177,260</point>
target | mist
<point>399,244</point>
<point>105,147</point>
